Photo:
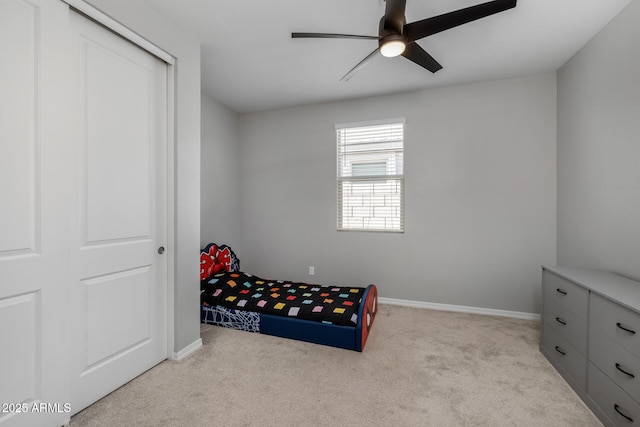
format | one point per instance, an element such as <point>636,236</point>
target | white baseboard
<point>186,351</point>
<point>459,308</point>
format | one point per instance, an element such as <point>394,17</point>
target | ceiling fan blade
<point>330,36</point>
<point>426,27</point>
<point>361,64</point>
<point>415,53</point>
<point>394,15</point>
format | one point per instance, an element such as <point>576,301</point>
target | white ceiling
<point>250,62</point>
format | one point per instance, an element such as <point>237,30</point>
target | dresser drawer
<point>566,293</point>
<point>618,323</point>
<point>616,362</point>
<point>567,356</point>
<point>566,323</point>
<point>617,405</point>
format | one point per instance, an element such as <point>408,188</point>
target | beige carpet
<point>420,368</point>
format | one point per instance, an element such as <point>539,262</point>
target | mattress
<point>238,290</point>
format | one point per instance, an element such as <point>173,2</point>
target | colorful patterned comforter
<point>243,291</point>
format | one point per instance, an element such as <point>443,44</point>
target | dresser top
<point>612,286</point>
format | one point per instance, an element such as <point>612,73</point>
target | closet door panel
<point>19,190</point>
<point>119,298</point>
<point>35,155</point>
<point>18,332</point>
<point>118,147</point>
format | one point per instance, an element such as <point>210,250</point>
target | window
<point>370,176</point>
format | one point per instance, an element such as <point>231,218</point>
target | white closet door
<point>35,154</point>
<point>119,296</point>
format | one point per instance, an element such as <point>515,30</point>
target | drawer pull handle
<point>561,291</point>
<point>561,351</point>
<point>631,331</point>
<point>623,371</point>
<point>559,320</point>
<point>617,408</point>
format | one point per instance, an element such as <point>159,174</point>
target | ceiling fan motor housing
<point>391,41</point>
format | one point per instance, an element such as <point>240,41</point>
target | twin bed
<point>329,315</point>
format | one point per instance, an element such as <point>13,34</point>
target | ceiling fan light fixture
<point>393,47</point>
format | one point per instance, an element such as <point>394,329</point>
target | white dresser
<point>591,335</point>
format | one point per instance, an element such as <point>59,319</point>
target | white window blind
<point>371,177</point>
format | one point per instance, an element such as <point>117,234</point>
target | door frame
<point>116,27</point>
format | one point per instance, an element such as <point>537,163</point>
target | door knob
<point>161,250</point>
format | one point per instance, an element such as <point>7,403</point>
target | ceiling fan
<point>396,37</point>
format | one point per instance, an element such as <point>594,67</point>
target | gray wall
<point>219,178</point>
<point>599,150</point>
<point>141,18</point>
<point>480,203</point>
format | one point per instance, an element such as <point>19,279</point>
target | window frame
<point>397,178</point>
